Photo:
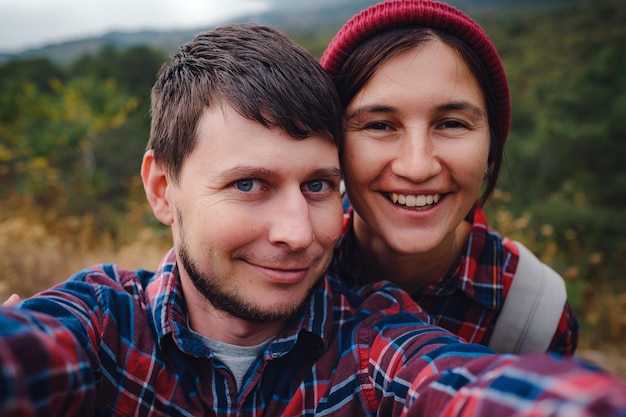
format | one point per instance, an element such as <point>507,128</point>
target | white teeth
<point>415,200</point>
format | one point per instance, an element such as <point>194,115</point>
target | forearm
<point>439,376</point>
<point>45,371</point>
<point>539,385</point>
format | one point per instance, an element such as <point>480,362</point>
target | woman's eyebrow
<point>462,105</point>
<point>374,108</point>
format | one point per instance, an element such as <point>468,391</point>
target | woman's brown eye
<point>378,126</point>
<point>452,124</point>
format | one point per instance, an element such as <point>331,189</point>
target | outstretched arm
<point>44,370</point>
<point>432,373</point>
<point>539,385</point>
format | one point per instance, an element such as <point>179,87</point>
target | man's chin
<point>277,306</point>
<point>264,315</point>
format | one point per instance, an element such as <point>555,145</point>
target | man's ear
<point>155,184</point>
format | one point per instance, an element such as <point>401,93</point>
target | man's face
<point>255,215</point>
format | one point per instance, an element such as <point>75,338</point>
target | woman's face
<point>416,149</point>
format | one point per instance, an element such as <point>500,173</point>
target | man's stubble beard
<point>229,301</point>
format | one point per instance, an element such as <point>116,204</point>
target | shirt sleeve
<point>45,371</point>
<point>433,373</point>
<point>565,338</point>
<point>539,385</point>
<point>49,347</point>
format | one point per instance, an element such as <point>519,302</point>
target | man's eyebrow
<point>257,172</point>
<point>241,171</point>
<point>333,174</point>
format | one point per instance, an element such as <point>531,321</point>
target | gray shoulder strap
<point>532,308</point>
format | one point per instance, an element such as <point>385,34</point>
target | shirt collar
<point>473,275</point>
<point>482,267</point>
<point>167,308</point>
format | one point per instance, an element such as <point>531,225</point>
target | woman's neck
<point>412,271</point>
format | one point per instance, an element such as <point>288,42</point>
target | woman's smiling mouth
<point>412,201</point>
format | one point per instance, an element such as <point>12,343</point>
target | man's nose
<point>291,223</point>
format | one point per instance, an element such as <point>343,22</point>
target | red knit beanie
<point>425,13</point>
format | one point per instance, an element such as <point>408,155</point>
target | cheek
<point>328,224</point>
<point>336,226</point>
<point>226,228</point>
<point>472,166</point>
<point>360,162</point>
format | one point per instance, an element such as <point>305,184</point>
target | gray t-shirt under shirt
<point>237,358</point>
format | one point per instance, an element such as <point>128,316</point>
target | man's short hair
<point>261,73</point>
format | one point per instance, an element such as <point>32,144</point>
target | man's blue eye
<point>316,186</point>
<point>244,185</point>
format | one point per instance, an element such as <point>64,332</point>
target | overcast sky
<point>33,23</point>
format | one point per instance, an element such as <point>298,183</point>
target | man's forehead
<point>230,147</point>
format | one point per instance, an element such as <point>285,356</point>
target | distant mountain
<point>290,16</point>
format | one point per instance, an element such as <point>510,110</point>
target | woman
<point>427,116</point>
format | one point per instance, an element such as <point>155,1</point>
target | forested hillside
<point>72,135</point>
<point>567,70</point>
<point>302,17</point>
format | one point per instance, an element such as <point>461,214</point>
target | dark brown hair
<point>262,74</point>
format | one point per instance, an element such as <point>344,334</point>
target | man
<point>237,320</point>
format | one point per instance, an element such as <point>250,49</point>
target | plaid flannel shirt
<point>114,342</point>
<point>469,298</point>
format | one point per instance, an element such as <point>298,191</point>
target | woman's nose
<point>416,158</point>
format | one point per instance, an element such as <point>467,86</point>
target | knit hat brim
<point>425,13</point>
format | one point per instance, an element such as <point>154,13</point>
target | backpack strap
<point>532,308</point>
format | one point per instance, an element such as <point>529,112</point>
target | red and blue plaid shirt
<point>469,298</point>
<point>114,342</point>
